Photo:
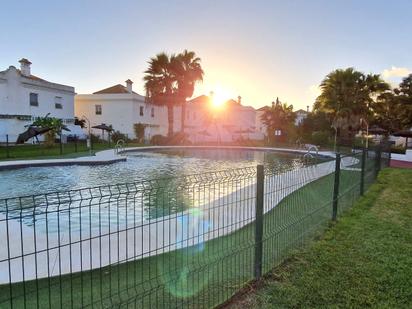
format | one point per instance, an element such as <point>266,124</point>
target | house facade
<point>228,123</point>
<point>24,96</point>
<point>120,107</point>
<point>301,115</point>
<point>260,126</point>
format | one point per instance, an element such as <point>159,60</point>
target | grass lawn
<point>203,276</point>
<point>365,260</point>
<point>24,152</point>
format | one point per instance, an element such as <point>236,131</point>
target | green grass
<point>194,277</point>
<point>40,151</point>
<point>364,261</point>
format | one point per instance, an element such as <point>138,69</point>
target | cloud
<point>395,72</point>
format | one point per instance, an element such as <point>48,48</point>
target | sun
<point>219,96</point>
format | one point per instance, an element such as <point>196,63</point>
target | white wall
<point>15,92</point>
<point>122,111</point>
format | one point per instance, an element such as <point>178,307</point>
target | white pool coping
<point>110,156</point>
<point>224,215</point>
<point>274,149</point>
<point>101,157</point>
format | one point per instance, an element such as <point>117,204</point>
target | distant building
<point>228,123</point>
<point>301,115</point>
<point>122,108</point>
<point>260,126</point>
<point>24,96</point>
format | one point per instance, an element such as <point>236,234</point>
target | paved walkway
<point>101,157</point>
<point>401,164</point>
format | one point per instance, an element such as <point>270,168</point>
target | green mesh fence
<point>188,242</point>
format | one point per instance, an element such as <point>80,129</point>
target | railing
<point>183,242</point>
<point>119,147</point>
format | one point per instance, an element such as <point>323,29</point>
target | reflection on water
<point>121,206</point>
<point>139,166</point>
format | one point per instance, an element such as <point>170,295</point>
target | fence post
<point>7,146</point>
<point>362,180</point>
<point>259,221</point>
<point>336,187</point>
<point>378,160</point>
<point>389,150</point>
<point>61,144</point>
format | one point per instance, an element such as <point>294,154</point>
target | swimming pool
<point>140,165</point>
<point>94,216</point>
<point>148,185</point>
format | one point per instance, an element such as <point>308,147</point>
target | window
<point>34,99</point>
<point>58,102</point>
<point>152,112</point>
<point>141,110</point>
<point>98,109</point>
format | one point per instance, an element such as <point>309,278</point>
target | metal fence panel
<point>187,242</point>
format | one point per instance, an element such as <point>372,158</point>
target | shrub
<point>320,138</point>
<point>117,135</point>
<point>95,138</point>
<point>158,140</point>
<point>139,131</point>
<point>398,149</point>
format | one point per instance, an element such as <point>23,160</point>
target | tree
<point>278,117</point>
<point>170,80</point>
<point>161,84</point>
<point>347,96</point>
<point>393,110</point>
<point>188,72</point>
<point>315,122</point>
<point>404,100</point>
<point>139,129</point>
<point>55,125</point>
<point>387,113</point>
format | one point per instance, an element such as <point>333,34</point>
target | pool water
<point>113,206</point>
<point>139,166</point>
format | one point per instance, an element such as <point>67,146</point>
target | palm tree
<point>347,97</point>
<point>188,72</point>
<point>161,82</point>
<point>278,117</point>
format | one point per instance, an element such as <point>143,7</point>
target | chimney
<point>239,99</point>
<point>25,67</point>
<point>129,84</point>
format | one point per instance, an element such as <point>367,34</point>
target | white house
<point>260,126</point>
<point>301,115</point>
<point>230,122</point>
<point>122,108</point>
<point>24,96</point>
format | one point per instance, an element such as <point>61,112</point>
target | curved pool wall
<point>142,163</point>
<point>143,239</point>
<point>110,156</point>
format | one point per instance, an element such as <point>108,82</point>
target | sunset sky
<point>257,49</point>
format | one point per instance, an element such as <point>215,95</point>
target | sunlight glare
<point>219,96</point>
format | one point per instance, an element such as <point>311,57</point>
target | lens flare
<point>178,269</point>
